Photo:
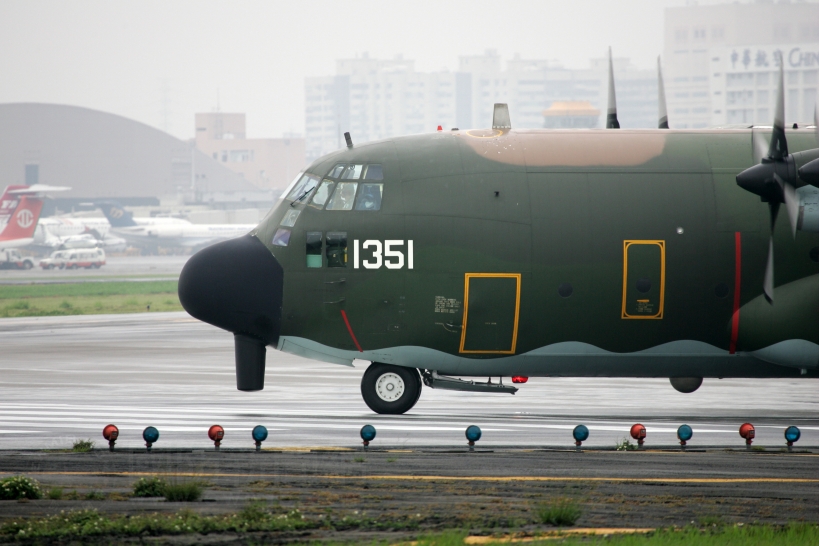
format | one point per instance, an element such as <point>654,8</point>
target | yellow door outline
<point>660,244</point>
<point>468,276</point>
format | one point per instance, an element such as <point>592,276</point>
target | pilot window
<point>303,187</point>
<point>336,249</point>
<point>369,196</point>
<point>353,172</point>
<point>322,193</point>
<point>374,172</point>
<point>343,197</point>
<point>336,172</point>
<point>290,218</point>
<point>281,238</point>
<point>313,249</point>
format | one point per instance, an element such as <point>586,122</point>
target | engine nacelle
<point>808,209</point>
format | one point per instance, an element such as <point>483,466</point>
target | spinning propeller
<point>774,179</point>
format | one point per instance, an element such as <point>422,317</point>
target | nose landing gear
<point>390,389</point>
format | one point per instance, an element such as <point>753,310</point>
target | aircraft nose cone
<point>237,286</point>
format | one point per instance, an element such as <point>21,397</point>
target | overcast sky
<point>160,61</point>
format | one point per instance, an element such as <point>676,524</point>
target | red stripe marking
<point>737,278</point>
<point>350,329</point>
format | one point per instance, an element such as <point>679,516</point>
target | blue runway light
<point>150,435</point>
<point>580,434</point>
<point>473,434</point>
<point>367,434</point>
<point>259,435</point>
<point>792,434</point>
<point>684,433</point>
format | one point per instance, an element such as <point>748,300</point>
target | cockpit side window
<point>323,193</point>
<point>336,249</point>
<point>313,249</point>
<point>337,170</point>
<point>303,188</point>
<point>374,172</point>
<point>343,197</point>
<point>369,197</point>
<point>353,172</point>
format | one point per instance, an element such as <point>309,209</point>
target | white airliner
<point>169,234</point>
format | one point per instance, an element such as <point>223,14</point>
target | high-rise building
<point>269,163</point>
<point>721,62</point>
<point>374,99</point>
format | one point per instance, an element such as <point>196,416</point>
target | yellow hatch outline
<point>660,244</point>
<point>468,276</point>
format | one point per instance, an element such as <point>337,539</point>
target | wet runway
<point>64,378</point>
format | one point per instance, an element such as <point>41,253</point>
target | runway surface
<point>116,268</point>
<point>64,378</point>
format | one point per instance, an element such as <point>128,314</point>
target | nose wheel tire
<point>390,389</point>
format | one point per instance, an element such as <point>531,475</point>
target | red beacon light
<point>216,433</point>
<point>638,432</point>
<point>747,431</point>
<point>519,379</point>
<point>110,433</point>
<point>440,128</point>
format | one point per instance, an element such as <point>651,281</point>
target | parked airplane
<point>19,229</point>
<point>502,252</point>
<point>179,233</point>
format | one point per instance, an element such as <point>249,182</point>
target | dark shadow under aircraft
<point>500,252</point>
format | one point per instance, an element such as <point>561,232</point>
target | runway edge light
<point>684,433</point>
<point>259,435</point>
<point>367,435</point>
<point>638,432</point>
<point>110,433</point>
<point>473,434</point>
<point>792,435</point>
<point>747,431</point>
<point>580,435</point>
<point>216,433</point>
<point>150,435</point>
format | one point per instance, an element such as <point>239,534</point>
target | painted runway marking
<point>443,478</point>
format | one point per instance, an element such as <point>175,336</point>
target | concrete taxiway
<point>116,268</point>
<point>64,378</point>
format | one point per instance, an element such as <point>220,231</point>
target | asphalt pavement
<point>65,378</point>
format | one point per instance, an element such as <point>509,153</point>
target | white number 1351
<point>388,254</point>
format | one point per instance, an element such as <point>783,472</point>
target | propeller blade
<point>663,122</point>
<point>779,145</point>
<point>768,284</point>
<point>760,147</point>
<point>791,203</point>
<point>611,112</point>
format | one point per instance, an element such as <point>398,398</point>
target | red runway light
<point>519,379</point>
<point>638,432</point>
<point>110,433</point>
<point>747,431</point>
<point>216,433</point>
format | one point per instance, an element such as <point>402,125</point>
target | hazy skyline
<point>160,62</point>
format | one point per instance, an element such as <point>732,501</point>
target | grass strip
<point>88,298</point>
<point>255,517</point>
<point>67,290</point>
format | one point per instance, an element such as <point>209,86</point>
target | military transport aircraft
<point>500,252</point>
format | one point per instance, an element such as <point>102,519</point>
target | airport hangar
<point>106,156</point>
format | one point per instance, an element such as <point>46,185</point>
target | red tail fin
<point>23,221</point>
<point>9,201</point>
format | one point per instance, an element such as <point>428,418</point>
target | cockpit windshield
<point>302,189</point>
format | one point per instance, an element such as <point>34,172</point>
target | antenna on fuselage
<point>348,139</point>
<point>663,112</point>
<point>611,112</point>
<point>500,117</point>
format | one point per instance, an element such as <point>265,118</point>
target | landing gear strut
<point>390,389</point>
